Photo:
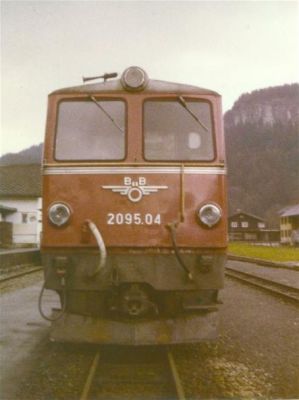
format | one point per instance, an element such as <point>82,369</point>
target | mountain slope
<point>262,141</point>
<point>32,155</point>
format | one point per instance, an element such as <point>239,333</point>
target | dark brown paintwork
<point>88,200</point>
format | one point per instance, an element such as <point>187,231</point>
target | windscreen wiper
<point>107,114</point>
<point>185,105</point>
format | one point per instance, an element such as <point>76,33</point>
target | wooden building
<point>289,225</point>
<point>250,228</point>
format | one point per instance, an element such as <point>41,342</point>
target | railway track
<point>19,273</point>
<point>287,292</point>
<point>133,374</point>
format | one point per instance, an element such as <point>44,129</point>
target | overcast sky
<point>231,47</point>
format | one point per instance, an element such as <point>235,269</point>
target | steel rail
<point>90,377</point>
<point>173,373</point>
<point>15,276</point>
<point>176,378</point>
<point>279,289</point>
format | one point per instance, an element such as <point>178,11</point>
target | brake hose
<point>100,242</point>
<point>63,305</point>
<point>103,255</point>
<point>171,227</point>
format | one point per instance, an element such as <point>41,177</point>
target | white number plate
<point>133,219</point>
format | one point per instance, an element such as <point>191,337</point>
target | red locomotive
<point>134,211</point>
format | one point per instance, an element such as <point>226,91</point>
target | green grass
<point>283,254</point>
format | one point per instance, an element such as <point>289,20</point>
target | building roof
<point>237,214</point>
<point>290,211</point>
<point>20,181</point>
<point>4,210</point>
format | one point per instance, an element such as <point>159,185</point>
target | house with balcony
<point>247,227</point>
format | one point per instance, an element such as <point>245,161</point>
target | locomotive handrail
<point>182,196</point>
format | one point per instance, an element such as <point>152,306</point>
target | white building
<point>289,225</point>
<point>20,202</point>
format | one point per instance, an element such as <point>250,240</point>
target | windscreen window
<point>91,130</point>
<point>178,130</point>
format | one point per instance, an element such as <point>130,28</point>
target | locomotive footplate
<point>185,329</point>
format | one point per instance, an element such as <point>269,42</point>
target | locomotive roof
<point>153,86</point>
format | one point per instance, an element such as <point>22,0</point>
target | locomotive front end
<point>134,211</point>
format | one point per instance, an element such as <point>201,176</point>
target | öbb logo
<point>134,189</point>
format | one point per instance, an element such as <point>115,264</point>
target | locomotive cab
<point>134,211</point>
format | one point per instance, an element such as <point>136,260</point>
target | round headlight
<point>209,214</point>
<point>134,78</point>
<point>59,214</point>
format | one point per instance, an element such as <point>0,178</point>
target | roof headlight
<point>59,214</point>
<point>134,78</point>
<point>209,214</point>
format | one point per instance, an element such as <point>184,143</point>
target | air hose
<point>103,256</point>
<point>172,227</point>
<point>100,242</point>
<point>63,305</point>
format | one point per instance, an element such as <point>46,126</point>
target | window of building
<point>261,225</point>
<point>244,224</point>
<point>24,218</point>
<point>234,224</point>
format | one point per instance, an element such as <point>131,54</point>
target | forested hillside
<point>32,155</point>
<point>262,139</point>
